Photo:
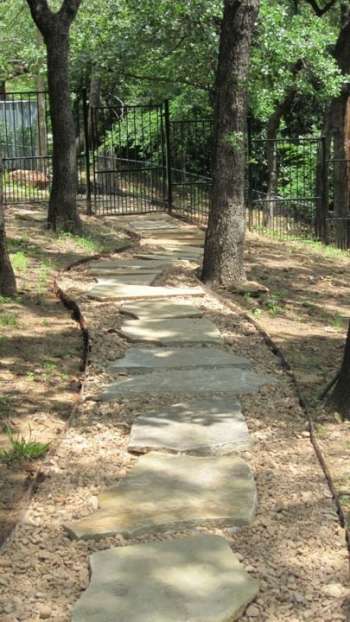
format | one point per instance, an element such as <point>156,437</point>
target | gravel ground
<point>295,546</point>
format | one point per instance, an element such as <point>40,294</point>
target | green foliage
<point>22,449</point>
<point>283,40</point>
<point>19,261</point>
<point>8,319</point>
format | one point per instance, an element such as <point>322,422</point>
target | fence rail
<point>135,159</point>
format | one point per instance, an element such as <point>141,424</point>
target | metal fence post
<point>168,155</point>
<point>87,153</point>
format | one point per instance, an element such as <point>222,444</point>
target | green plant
<point>8,319</point>
<point>273,305</point>
<point>4,406</point>
<point>257,312</point>
<point>82,241</point>
<point>19,261</point>
<point>338,322</point>
<point>22,449</point>
<point>43,276</point>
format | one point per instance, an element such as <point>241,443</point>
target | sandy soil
<point>295,546</point>
<point>40,346</point>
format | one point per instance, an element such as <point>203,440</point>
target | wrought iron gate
<point>129,159</point>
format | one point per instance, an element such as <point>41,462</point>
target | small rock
<point>253,611</point>
<point>250,287</point>
<point>44,612</point>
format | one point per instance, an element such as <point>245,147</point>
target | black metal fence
<point>25,145</point>
<point>137,159</point>
<point>128,147</point>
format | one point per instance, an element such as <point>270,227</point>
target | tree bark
<point>336,121</point>
<point>341,171</point>
<point>224,244</point>
<point>63,212</point>
<point>7,275</point>
<point>339,399</point>
<point>272,154</point>
<point>54,27</point>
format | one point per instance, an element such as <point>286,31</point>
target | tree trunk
<point>41,115</point>
<point>54,27</point>
<point>322,182</point>
<point>341,171</point>
<point>7,275</point>
<point>224,244</point>
<point>339,399</point>
<point>63,212</point>
<point>272,153</point>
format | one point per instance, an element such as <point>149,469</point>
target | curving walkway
<point>190,474</point>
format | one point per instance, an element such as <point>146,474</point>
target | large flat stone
<point>160,309</point>
<point>199,381</point>
<point>120,291</point>
<point>140,278</point>
<point>193,246</point>
<point>172,331</point>
<point>154,224</point>
<point>128,267</point>
<point>178,358</point>
<point>165,492</point>
<point>204,427</point>
<point>175,255</point>
<point>195,579</point>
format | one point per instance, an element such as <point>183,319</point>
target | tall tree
<point>7,276</point>
<point>224,244</point>
<point>340,396</point>
<point>54,27</point>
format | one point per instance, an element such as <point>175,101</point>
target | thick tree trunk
<point>341,172</point>
<point>339,399</point>
<point>7,275</point>
<point>224,245</point>
<point>54,27</point>
<point>63,212</point>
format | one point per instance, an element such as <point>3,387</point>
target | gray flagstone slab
<point>194,579</point>
<point>172,256</point>
<point>199,381</point>
<point>160,309</point>
<point>157,225</point>
<point>128,267</point>
<point>147,359</point>
<point>165,492</point>
<point>204,427</point>
<point>139,278</point>
<point>172,331</point>
<point>121,291</point>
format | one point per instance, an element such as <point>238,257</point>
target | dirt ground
<point>40,346</point>
<point>306,312</point>
<point>295,547</point>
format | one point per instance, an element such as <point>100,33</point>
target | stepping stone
<point>120,291</point>
<point>171,257</point>
<point>194,579</point>
<point>192,246</point>
<point>128,279</point>
<point>199,381</point>
<point>128,267</point>
<point>172,331</point>
<point>147,359</point>
<point>178,235</point>
<point>214,426</point>
<point>165,492</point>
<point>160,309</point>
<point>154,226</point>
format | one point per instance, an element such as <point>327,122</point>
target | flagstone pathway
<point>191,474</point>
